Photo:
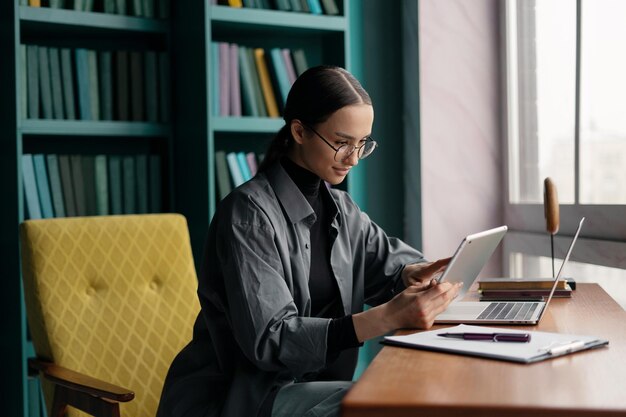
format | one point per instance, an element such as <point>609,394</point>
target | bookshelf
<point>325,39</point>
<point>30,132</point>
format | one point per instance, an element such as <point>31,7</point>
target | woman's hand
<point>415,307</point>
<point>422,273</point>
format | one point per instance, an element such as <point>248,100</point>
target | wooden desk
<point>410,382</point>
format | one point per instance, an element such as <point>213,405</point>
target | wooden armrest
<point>80,382</point>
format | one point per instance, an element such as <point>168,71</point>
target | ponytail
<point>277,148</point>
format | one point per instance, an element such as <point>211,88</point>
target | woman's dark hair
<point>313,98</point>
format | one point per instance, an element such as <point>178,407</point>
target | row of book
<point>140,8</point>
<point>233,169</point>
<point>328,7</point>
<point>253,81</point>
<point>85,84</point>
<point>89,185</point>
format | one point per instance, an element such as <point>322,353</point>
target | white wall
<point>461,145</point>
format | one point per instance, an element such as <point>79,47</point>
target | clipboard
<point>542,345</point>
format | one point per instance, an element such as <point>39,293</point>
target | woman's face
<point>350,125</point>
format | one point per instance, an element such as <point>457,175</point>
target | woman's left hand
<point>421,274</point>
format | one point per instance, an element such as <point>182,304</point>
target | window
<point>565,119</point>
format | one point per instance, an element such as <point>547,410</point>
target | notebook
<point>494,312</point>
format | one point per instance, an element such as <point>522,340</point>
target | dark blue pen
<point>494,337</point>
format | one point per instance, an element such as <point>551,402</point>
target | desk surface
<point>410,382</point>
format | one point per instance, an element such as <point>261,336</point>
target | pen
<point>494,337</point>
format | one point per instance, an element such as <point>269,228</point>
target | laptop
<point>465,265</point>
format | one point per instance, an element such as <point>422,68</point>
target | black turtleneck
<point>325,296</point>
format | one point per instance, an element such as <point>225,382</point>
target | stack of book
<point>233,169</point>
<point>523,288</point>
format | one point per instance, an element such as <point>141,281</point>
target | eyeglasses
<point>345,151</point>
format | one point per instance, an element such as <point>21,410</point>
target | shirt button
<point>306,245</point>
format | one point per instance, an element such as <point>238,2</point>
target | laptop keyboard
<point>508,311</point>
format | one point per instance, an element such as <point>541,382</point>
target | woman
<point>287,267</point>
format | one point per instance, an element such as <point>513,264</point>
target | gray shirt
<point>255,331</point>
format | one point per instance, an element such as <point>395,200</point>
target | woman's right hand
<point>417,306</point>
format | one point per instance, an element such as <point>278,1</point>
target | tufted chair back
<point>111,298</point>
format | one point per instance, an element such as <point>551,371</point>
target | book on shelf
<point>83,83</point>
<point>43,189</point>
<point>94,93</point>
<point>224,77</point>
<point>235,171</point>
<point>141,178</point>
<point>32,70</point>
<point>155,184</point>
<point>78,184</point>
<point>330,7</point>
<point>136,86</point>
<point>121,7</point>
<point>101,185</point>
<point>266,84</point>
<point>248,99</point>
<point>89,183</point>
<point>291,72</point>
<point>65,169</point>
<point>252,163</point>
<point>106,85</point>
<point>67,69</point>
<point>122,85</point>
<point>315,6</point>
<point>151,86</point>
<point>235,82</point>
<point>256,83</point>
<point>56,189</point>
<point>129,184</point>
<point>23,83</point>
<point>164,87</point>
<point>115,184</point>
<point>223,178</point>
<point>243,166</point>
<point>45,90</point>
<point>30,187</point>
<point>147,7</point>
<point>299,61</point>
<point>281,73</point>
<point>215,79</point>
<point>109,6</point>
<point>56,87</point>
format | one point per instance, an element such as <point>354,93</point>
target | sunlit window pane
<point>612,280</point>
<point>603,102</point>
<point>541,55</point>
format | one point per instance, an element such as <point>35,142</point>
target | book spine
<point>291,72</point>
<point>256,83</point>
<point>68,84</point>
<point>252,163</point>
<point>299,61</point>
<point>247,88</point>
<point>223,179</point>
<point>82,77</point>
<point>243,166</point>
<point>122,84</point>
<point>89,184</point>
<point>94,93</point>
<point>56,189</point>
<point>78,184</point>
<point>141,176</point>
<point>129,184</point>
<point>224,71</point>
<point>151,86</point>
<point>44,83</point>
<point>115,184</point>
<point>106,85</point>
<point>65,169</point>
<point>102,185</point>
<point>215,79</point>
<point>136,81</point>
<point>266,84</point>
<point>235,171</point>
<point>32,61</point>
<point>23,83</point>
<point>56,83</point>
<point>156,205</point>
<point>30,187</point>
<point>43,188</point>
<point>235,82</point>
<point>281,73</point>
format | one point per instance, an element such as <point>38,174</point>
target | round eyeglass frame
<point>348,150</point>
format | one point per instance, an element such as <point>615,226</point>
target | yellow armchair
<point>110,301</point>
